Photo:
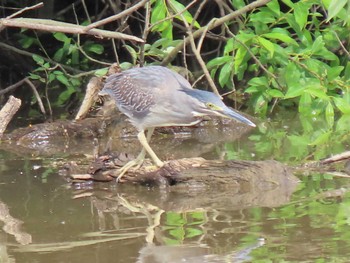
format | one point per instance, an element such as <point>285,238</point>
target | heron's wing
<point>138,89</point>
<point>130,92</point>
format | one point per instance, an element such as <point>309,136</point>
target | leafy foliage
<point>285,55</point>
<point>301,57</point>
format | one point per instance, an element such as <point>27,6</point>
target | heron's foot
<point>134,164</point>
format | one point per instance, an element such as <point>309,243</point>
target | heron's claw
<point>135,164</point>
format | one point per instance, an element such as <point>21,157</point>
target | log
<point>7,112</point>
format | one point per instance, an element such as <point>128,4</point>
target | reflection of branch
<point>212,24</point>
<point>12,226</point>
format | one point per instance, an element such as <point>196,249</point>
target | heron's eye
<point>212,106</point>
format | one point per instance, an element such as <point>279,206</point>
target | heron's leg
<point>143,151</point>
<point>136,163</point>
<point>144,141</point>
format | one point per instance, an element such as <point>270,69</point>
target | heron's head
<point>209,104</point>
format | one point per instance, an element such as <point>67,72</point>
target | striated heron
<point>156,96</point>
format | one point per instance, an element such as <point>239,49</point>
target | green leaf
<point>38,59</point>
<point>239,57</point>
<point>51,77</point>
<point>75,82</point>
<point>304,103</point>
<point>275,93</point>
<point>282,37</point>
<point>318,45</point>
<point>322,139</point>
<point>46,65</point>
<point>36,77</point>
<point>101,72</point>
<point>317,91</point>
<point>292,77</point>
<point>60,36</point>
<point>168,30</point>
<point>58,56</point>
<point>334,72</point>
<point>294,91</point>
<point>330,114</point>
<point>335,7</point>
<point>238,4</point>
<point>26,42</point>
<point>57,72</point>
<point>178,7</point>
<point>159,12</point>
<point>65,95</point>
<point>225,74</point>
<point>265,17</point>
<point>245,37</point>
<point>63,79</point>
<point>301,13</point>
<point>259,81</point>
<point>274,6</point>
<point>347,71</point>
<point>95,48</point>
<point>342,105</point>
<point>268,45</point>
<point>218,61</point>
<point>132,52</point>
<point>229,46</point>
<point>253,89</point>
<point>289,3</point>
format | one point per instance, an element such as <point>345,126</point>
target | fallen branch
<point>57,26</point>
<point>7,113</point>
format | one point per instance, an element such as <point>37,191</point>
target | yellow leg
<point>144,141</point>
<point>136,163</point>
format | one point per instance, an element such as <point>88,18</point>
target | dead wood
<point>191,172</point>
<point>7,113</point>
<point>57,26</point>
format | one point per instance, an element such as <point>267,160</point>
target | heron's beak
<point>230,113</point>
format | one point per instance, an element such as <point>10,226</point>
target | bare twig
<point>20,12</point>
<point>201,62</point>
<point>212,24</point>
<point>12,87</point>
<point>29,54</point>
<point>36,93</point>
<point>41,4</point>
<point>116,17</point>
<point>86,11</point>
<point>341,44</point>
<point>253,56</point>
<point>336,158</point>
<point>57,26</point>
<point>145,33</point>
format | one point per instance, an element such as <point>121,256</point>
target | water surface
<point>44,218</point>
